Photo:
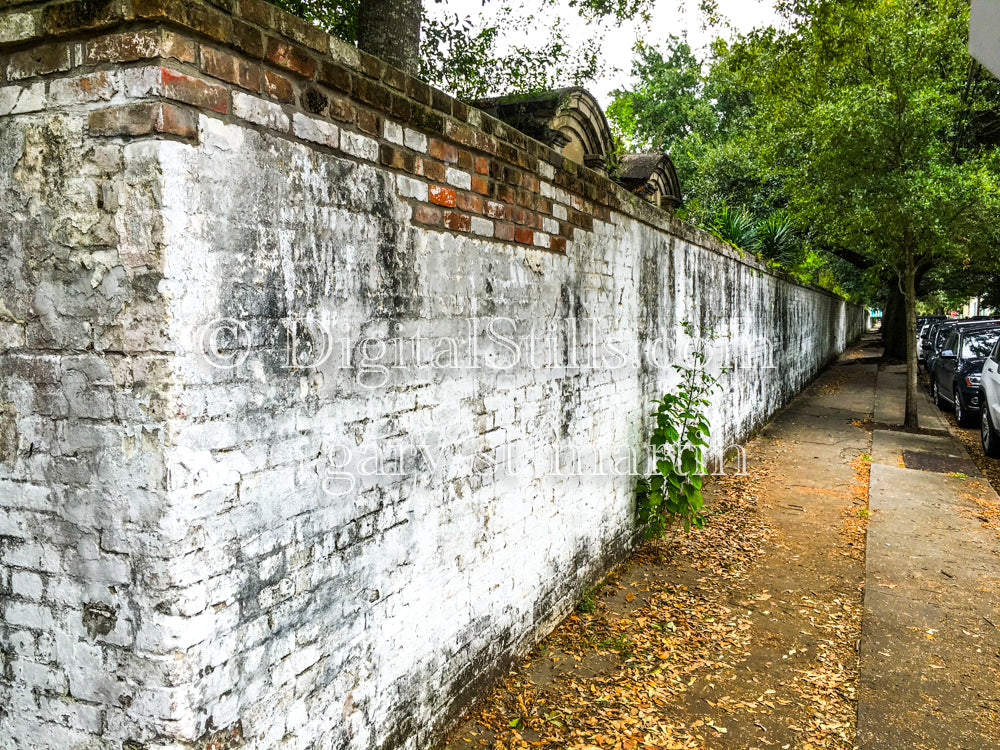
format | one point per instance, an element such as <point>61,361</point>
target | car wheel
<point>988,433</point>
<point>936,395</point>
<point>961,413</point>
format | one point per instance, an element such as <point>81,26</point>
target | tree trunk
<point>894,324</point>
<point>910,293</point>
<point>390,30</point>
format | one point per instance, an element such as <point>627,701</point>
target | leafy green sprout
<point>679,439</point>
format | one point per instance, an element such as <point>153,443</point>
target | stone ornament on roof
<point>569,120</point>
<point>652,176</point>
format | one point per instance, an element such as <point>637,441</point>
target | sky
<point>669,17</point>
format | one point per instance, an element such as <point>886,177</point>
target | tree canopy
<point>866,123</point>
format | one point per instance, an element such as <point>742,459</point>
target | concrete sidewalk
<point>930,646</point>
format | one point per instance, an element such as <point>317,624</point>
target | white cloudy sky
<point>669,17</point>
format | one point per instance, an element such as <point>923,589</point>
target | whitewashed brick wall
<point>172,568</point>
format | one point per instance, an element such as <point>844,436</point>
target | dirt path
<point>742,635</point>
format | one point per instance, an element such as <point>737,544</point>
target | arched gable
<point>653,176</point>
<point>569,120</point>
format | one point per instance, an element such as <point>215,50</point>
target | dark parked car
<point>935,343</point>
<point>958,368</point>
<point>928,339</point>
<point>923,331</point>
<point>939,337</point>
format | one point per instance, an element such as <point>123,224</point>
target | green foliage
<point>466,57</point>
<point>672,493</point>
<point>866,124</point>
<point>667,109</point>
<point>776,240</point>
<point>588,600</point>
<point>735,226</point>
<point>337,17</point>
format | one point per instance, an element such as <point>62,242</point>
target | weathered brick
<point>229,67</point>
<point>342,109</point>
<point>415,140</point>
<point>427,215</point>
<point>204,19</point>
<point>302,32</point>
<point>260,111</point>
<point>431,169</point>
<point>410,188</point>
<point>259,12</point>
<point>482,227</point>
<point>290,57</point>
<point>372,92</point>
<point>458,178</point>
<point>482,166</point>
<point>456,221</point>
<point>80,15</point>
<point>194,91</point>
<point>494,210</point>
<point>557,244</point>
<point>17,99</point>
<point>427,119</point>
<point>89,88</point>
<point>480,185</point>
<point>418,91</point>
<point>369,122</point>
<point>359,145</point>
<point>400,107</point>
<point>396,158</point>
<point>442,196</point>
<point>371,66</point>
<point>461,133</point>
<point>395,78</point>
<point>278,87</point>
<point>441,101</point>
<point>335,76</point>
<point>20,27</point>
<point>39,61</point>
<point>315,130</point>
<point>516,214</point>
<point>144,119</point>
<point>524,236</point>
<point>504,231</point>
<point>470,203</point>
<point>247,39</point>
<point>441,150</point>
<point>392,132</point>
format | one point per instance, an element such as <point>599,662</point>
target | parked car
<point>938,337</point>
<point>957,370</point>
<point>923,331</point>
<point>927,349</point>
<point>989,400</point>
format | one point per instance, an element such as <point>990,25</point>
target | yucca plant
<point>735,226</point>
<point>776,240</point>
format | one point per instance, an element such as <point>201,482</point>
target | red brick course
<point>259,48</point>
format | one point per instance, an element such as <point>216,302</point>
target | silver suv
<point>989,399</point>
